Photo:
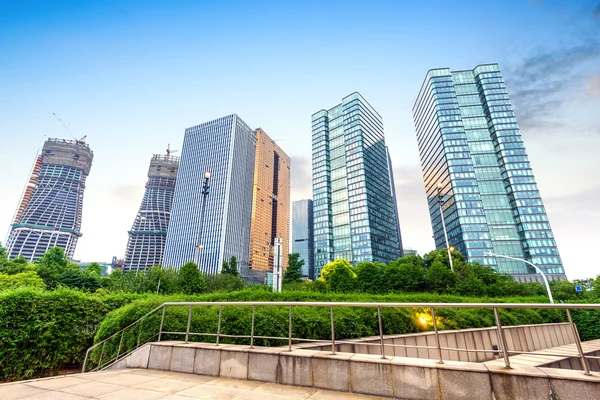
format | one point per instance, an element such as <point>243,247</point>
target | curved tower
<point>49,214</point>
<point>148,235</point>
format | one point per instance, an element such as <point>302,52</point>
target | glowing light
<point>423,320</point>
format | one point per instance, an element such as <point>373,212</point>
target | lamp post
<point>199,245</point>
<point>490,254</point>
<point>439,187</point>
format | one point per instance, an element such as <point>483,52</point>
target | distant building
<point>226,148</point>
<point>410,252</point>
<point>271,203</point>
<point>471,148</point>
<point>49,214</point>
<point>148,234</point>
<point>354,216</point>
<point>302,235</point>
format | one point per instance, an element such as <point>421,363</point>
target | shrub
<point>21,280</point>
<point>41,332</point>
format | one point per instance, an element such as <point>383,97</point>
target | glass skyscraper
<point>473,156</point>
<point>302,235</point>
<point>148,234</point>
<point>50,211</point>
<point>353,207</point>
<point>226,148</point>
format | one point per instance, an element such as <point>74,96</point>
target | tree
<point>52,265</point>
<point>406,275</point>
<point>439,278</point>
<point>369,276</point>
<point>24,279</point>
<point>94,268</point>
<point>3,254</point>
<point>190,281</point>
<point>230,267</point>
<point>339,276</point>
<point>15,266</point>
<point>293,273</point>
<point>564,290</point>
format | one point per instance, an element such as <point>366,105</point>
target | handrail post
<point>502,338</point>
<point>162,320</point>
<point>290,331</point>
<point>187,331</point>
<point>584,363</point>
<point>437,336</point>
<point>139,334</point>
<point>332,332</point>
<point>101,354</point>
<point>85,360</point>
<point>252,330</point>
<point>381,332</point>
<point>219,324</point>
<point>120,344</point>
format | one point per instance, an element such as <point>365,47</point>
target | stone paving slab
<point>129,384</point>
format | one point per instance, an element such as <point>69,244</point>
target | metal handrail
<point>502,343</point>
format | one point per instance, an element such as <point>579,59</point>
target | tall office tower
<point>225,148</point>
<point>148,235</point>
<point>393,190</point>
<point>271,203</point>
<point>354,217</point>
<point>472,149</point>
<point>302,235</point>
<point>50,211</point>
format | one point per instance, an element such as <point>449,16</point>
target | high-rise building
<point>226,149</point>
<point>148,234</point>
<point>473,156</point>
<point>271,203</point>
<point>302,235</point>
<point>354,217</point>
<point>50,211</point>
<point>393,191</point>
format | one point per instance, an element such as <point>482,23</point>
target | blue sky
<point>132,75</point>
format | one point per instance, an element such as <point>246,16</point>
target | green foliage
<point>223,283</point>
<point>15,266</point>
<point>439,278</point>
<point>53,265</point>
<point>405,275</point>
<point>94,268</point>
<point>27,279</point>
<point>370,277</point>
<point>564,291</point>
<point>339,276</point>
<point>230,267</point>
<point>293,273</point>
<point>189,280</point>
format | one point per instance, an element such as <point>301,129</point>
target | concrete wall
<point>518,338</point>
<point>397,377</point>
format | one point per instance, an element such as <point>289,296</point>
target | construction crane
<point>66,128</point>
<point>169,151</point>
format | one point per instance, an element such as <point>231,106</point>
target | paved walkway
<point>147,384</point>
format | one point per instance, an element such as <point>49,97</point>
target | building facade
<point>226,149</point>
<point>353,208</point>
<point>302,235</point>
<point>148,234</point>
<point>393,192</point>
<point>49,214</point>
<point>471,149</point>
<point>271,203</point>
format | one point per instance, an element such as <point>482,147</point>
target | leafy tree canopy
<point>293,273</point>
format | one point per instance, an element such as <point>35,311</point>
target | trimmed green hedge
<point>42,331</point>
<point>308,322</point>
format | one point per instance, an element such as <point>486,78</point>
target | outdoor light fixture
<point>207,175</point>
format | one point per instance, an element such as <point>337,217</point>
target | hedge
<point>308,322</point>
<point>42,331</point>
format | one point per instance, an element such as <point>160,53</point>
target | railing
<point>502,343</point>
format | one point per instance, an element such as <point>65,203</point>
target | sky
<point>132,75</point>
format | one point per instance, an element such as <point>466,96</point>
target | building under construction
<point>148,235</point>
<point>49,214</point>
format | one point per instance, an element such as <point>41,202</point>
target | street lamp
<point>439,187</point>
<point>199,245</point>
<point>490,254</point>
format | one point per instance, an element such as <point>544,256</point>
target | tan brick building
<point>271,203</point>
